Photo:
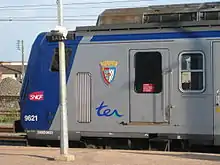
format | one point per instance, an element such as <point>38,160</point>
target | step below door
<point>149,85</point>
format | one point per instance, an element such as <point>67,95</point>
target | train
<point>140,75</point>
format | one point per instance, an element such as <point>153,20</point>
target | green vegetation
<point>9,116</point>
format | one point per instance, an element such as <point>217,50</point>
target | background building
<point>12,69</point>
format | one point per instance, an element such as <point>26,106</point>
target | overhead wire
<point>75,4</point>
<point>66,8</point>
<point>66,18</point>
<point>30,17</point>
<point>42,20</point>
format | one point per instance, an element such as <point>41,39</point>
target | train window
<point>192,75</point>
<point>148,72</point>
<point>55,59</point>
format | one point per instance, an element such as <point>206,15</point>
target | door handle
<point>217,97</point>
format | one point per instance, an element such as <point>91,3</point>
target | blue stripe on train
<point>156,36</point>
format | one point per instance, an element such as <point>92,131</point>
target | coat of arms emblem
<point>108,71</point>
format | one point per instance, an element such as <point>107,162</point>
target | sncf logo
<point>36,96</point>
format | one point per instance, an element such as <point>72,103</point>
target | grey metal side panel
<point>83,97</point>
<point>216,78</point>
<point>114,96</point>
<point>193,114</point>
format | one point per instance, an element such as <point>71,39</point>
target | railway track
<point>9,137</point>
<point>6,129</point>
<point>13,139</point>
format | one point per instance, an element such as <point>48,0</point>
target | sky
<point>11,31</point>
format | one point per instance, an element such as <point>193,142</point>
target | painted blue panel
<point>42,79</point>
<point>158,36</point>
<point>33,51</point>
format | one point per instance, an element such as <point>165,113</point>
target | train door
<point>216,78</point>
<point>149,85</point>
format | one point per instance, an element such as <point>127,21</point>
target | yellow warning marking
<point>217,109</point>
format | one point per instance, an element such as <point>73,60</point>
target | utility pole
<point>20,47</point>
<point>63,98</point>
<point>60,35</point>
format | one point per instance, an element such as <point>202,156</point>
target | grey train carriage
<point>138,74</point>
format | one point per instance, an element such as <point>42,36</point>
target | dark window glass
<point>192,61</point>
<point>148,72</point>
<point>55,60</point>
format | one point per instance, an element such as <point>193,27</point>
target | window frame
<point>134,60</point>
<point>66,62</point>
<point>193,70</point>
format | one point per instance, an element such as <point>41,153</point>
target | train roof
<point>156,16</point>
